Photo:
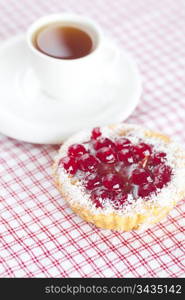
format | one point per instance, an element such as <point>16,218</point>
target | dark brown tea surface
<point>63,42</point>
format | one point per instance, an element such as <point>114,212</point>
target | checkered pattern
<point>39,235</point>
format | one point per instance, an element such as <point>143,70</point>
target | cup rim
<point>79,21</point>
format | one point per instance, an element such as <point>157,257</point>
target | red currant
<point>162,175</point>
<point>157,158</point>
<point>103,142</point>
<point>69,164</point>
<point>112,182</point>
<point>146,189</point>
<point>87,162</point>
<point>92,181</point>
<point>126,156</point>
<point>76,150</point>
<point>106,155</point>
<point>99,197</point>
<point>140,176</point>
<point>95,133</point>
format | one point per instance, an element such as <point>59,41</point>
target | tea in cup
<point>68,52</point>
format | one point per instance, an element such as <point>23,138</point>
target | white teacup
<point>67,78</point>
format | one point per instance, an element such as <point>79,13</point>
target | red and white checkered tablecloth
<point>39,235</point>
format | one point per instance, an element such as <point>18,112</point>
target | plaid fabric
<point>39,235</point>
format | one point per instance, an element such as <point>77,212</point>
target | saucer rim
<point>19,135</point>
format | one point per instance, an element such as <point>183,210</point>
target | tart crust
<point>147,216</point>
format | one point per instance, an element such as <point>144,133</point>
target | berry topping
<point>146,189</point>
<point>92,181</point>
<point>76,150</point>
<point>87,162</point>
<point>112,182</point>
<point>157,158</point>
<point>113,168</point>
<point>99,197</point>
<point>104,169</point>
<point>162,175</point>
<point>126,156</point>
<point>103,142</point>
<point>97,202</point>
<point>69,164</point>
<point>140,176</point>
<point>141,151</point>
<point>144,148</point>
<point>119,200</point>
<point>95,133</point>
<point>106,155</point>
<point>121,143</point>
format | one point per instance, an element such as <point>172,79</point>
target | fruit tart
<point>120,177</point>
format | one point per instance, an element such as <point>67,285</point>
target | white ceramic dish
<point>28,114</point>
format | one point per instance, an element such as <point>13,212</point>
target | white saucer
<point>27,114</point>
